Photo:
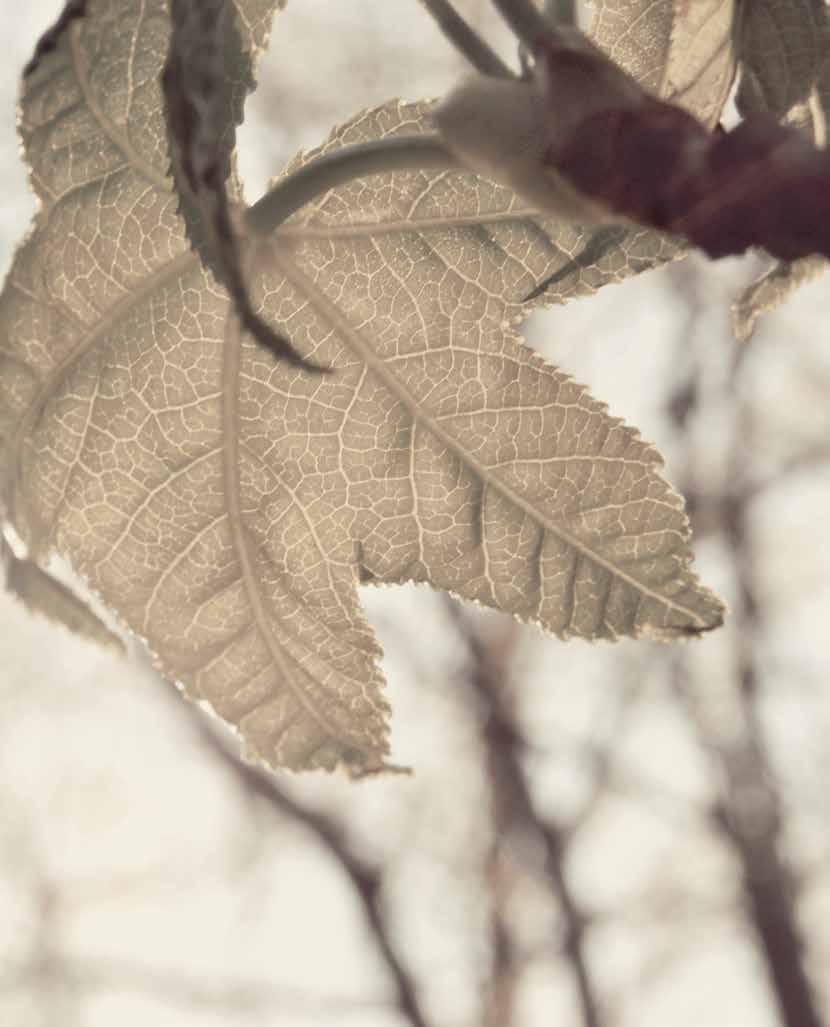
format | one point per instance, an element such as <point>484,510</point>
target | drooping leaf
<point>226,504</point>
<point>208,72</point>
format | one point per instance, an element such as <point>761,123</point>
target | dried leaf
<point>208,72</point>
<point>225,504</point>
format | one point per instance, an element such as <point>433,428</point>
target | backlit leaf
<point>225,504</point>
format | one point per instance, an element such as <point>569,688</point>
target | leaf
<point>225,504</point>
<point>206,76</point>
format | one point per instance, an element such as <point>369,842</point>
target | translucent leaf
<point>226,504</point>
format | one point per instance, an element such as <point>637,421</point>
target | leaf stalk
<point>397,153</point>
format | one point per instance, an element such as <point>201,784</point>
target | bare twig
<point>365,879</point>
<point>504,749</point>
<point>466,40</point>
<point>748,810</point>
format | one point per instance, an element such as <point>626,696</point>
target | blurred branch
<point>466,40</point>
<point>365,880</point>
<point>504,749</point>
<point>748,812</point>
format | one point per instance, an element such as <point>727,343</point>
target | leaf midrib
<point>232,358</point>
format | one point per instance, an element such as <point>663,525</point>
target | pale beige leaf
<point>226,505</point>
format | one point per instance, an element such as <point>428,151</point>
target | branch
<point>364,879</point>
<point>466,40</point>
<point>504,749</point>
<point>748,810</point>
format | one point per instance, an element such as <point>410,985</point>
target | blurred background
<point>628,835</point>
